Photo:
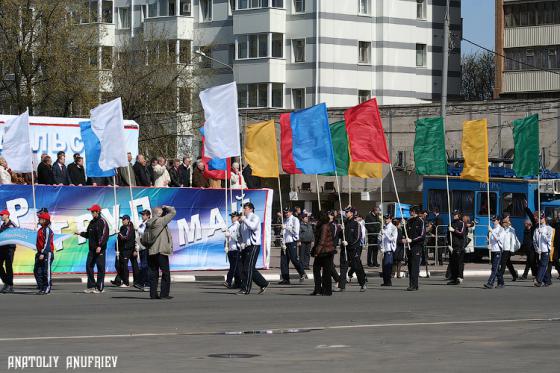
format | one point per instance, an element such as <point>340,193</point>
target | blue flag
<point>92,147</point>
<point>311,140</point>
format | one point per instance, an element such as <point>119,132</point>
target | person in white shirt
<point>290,232</point>
<point>389,234</point>
<point>233,278</point>
<point>250,244</point>
<point>143,282</point>
<point>5,176</point>
<point>162,178</point>
<point>496,237</point>
<point>542,240</point>
<point>236,179</point>
<point>511,245</point>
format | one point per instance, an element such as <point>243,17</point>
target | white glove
<point>243,245</point>
<point>283,226</point>
<point>226,249</point>
<point>283,247</point>
<point>345,243</point>
<point>408,240</point>
<point>451,229</point>
<point>227,234</point>
<point>489,229</point>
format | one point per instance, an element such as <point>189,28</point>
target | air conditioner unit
<point>329,186</point>
<point>365,196</point>
<point>294,196</point>
<point>186,8</point>
<point>306,187</point>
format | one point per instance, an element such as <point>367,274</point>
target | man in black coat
<point>416,229</point>
<point>531,224</point>
<point>142,177</point>
<point>185,170</point>
<point>76,171</point>
<point>174,174</point>
<point>373,227</point>
<point>97,234</point>
<point>458,231</point>
<point>352,244</point>
<point>126,241</point>
<point>59,170</point>
<point>44,172</point>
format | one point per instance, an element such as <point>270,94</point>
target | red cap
<point>45,215</point>
<point>95,208</point>
<point>5,212</point>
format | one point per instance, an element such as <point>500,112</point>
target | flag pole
<point>116,215</point>
<point>381,191</point>
<point>350,190</point>
<point>399,202</point>
<point>488,209</point>
<point>318,192</point>
<point>281,212</point>
<point>341,217</point>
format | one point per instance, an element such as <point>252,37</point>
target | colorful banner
<point>197,229</point>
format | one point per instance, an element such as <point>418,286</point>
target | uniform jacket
<point>3,227</point>
<point>306,232</point>
<point>234,236</point>
<point>45,240</point>
<point>353,232</point>
<point>291,229</point>
<point>164,242</point>
<point>127,237</point>
<point>251,230</point>
<point>140,231</point>
<point>389,236</point>
<point>97,233</point>
<point>458,237</point>
<point>60,174</point>
<point>543,239</point>
<point>416,231</point>
<point>497,239</point>
<point>511,243</point>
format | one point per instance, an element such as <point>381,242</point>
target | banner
<point>197,229</point>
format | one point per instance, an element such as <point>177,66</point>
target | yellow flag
<point>365,170</point>
<point>475,150</point>
<point>261,149</point>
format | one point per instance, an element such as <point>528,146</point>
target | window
<point>107,58</point>
<point>483,204</point>
<point>276,3</point>
<point>185,51</point>
<point>299,6</point>
<point>257,95</point>
<point>298,47</point>
<point>242,47</point>
<point>205,10</point>
<point>542,57</point>
<point>185,99</point>
<point>364,52</point>
<point>231,7</point>
<point>277,95</point>
<point>152,9</point>
<point>513,204</point>
<point>92,57</point>
<point>421,55</point>
<point>123,18</point>
<point>462,200</point>
<point>258,46</point>
<point>185,8</point>
<point>263,45</point>
<point>437,199</point>
<point>107,11</point>
<point>364,7</point>
<point>364,96</point>
<point>530,53</point>
<point>277,45</point>
<point>421,9</point>
<point>171,7</point>
<point>242,96</point>
<point>206,62</point>
<point>532,14</point>
<point>172,51</point>
<point>552,60</point>
<point>255,4</point>
<point>298,98</point>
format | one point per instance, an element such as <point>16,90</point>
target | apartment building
<point>528,35</point>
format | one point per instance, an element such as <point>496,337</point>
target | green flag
<point>526,146</point>
<point>429,147</point>
<point>340,148</point>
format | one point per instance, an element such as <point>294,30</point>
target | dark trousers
<point>372,252</point>
<point>123,273</point>
<point>44,271</point>
<point>233,278</point>
<point>156,263</point>
<point>305,254</point>
<point>456,263</point>
<point>249,257</point>
<point>322,267</point>
<point>334,274</point>
<point>543,274</point>
<point>495,272</point>
<point>287,256</point>
<point>97,260</point>
<point>143,272</point>
<point>531,263</point>
<point>414,255</point>
<point>6,266</point>
<point>506,262</point>
<point>388,257</point>
<point>354,260</point>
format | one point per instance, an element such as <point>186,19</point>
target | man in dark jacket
<point>7,255</point>
<point>416,230</point>
<point>174,174</point>
<point>76,172</point>
<point>97,234</point>
<point>141,173</point>
<point>185,172</point>
<point>60,172</point>
<point>373,227</point>
<point>531,224</point>
<point>458,231</point>
<point>45,174</point>
<point>306,240</point>
<point>352,245</point>
<point>126,241</point>
<point>126,174</point>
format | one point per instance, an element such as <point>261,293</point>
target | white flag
<point>221,129</point>
<point>16,147</point>
<point>108,125</point>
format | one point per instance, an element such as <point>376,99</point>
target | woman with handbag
<point>323,252</point>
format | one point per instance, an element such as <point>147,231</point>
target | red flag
<point>213,174</point>
<point>286,147</point>
<point>366,138</point>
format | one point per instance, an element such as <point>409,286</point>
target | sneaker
<point>139,287</point>
<point>90,290</point>
<point>262,290</point>
<point>9,290</point>
<point>363,288</point>
<point>4,289</point>
<point>227,285</point>
<point>146,288</point>
<point>303,277</point>
<point>97,291</point>
<point>124,286</point>
<point>115,283</point>
<point>500,286</point>
<point>284,282</point>
<point>241,292</point>
<point>40,292</point>
<point>460,280</point>
<point>488,286</point>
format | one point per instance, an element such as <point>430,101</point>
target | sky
<point>478,24</point>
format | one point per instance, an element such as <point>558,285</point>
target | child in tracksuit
<point>45,254</point>
<point>233,279</point>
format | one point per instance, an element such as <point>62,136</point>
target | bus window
<point>513,204</point>
<point>463,200</point>
<point>437,199</point>
<point>483,203</point>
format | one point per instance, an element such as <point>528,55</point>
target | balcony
<point>170,27</point>
<point>253,21</point>
<point>103,33</point>
<point>530,81</point>
<point>531,36</point>
<point>260,70</point>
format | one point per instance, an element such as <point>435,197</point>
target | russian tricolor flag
<point>305,143</point>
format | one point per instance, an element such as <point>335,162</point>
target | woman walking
<point>323,251</point>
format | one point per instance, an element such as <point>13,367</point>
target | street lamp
<point>202,54</point>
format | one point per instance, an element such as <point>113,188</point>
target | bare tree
<point>44,58</point>
<point>478,76</point>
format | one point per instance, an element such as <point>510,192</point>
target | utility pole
<point>445,69</point>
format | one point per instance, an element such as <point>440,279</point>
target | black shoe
<point>156,297</point>
<point>524,277</point>
<point>454,282</point>
<point>284,282</point>
<point>167,297</point>
<point>4,289</point>
<point>241,292</point>
<point>514,279</point>
<point>500,286</point>
<point>411,289</point>
<point>262,290</point>
<point>40,292</point>
<point>384,284</point>
<point>303,277</point>
<point>377,265</point>
<point>315,292</point>
<point>138,286</point>
<point>9,290</point>
<point>488,286</point>
<point>538,284</point>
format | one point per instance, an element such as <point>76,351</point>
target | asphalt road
<point>437,329</point>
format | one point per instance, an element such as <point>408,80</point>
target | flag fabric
<point>222,121</point>
<point>475,150</point>
<point>306,141</point>
<point>365,133</point>
<point>526,160</point>
<point>108,126</point>
<point>260,149</point>
<point>430,157</point>
<point>214,168</point>
<point>16,147</point>
<point>92,148</point>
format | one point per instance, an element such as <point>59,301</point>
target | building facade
<point>528,35</point>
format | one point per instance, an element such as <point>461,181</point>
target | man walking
<point>250,244</point>
<point>306,240</point>
<point>389,235</point>
<point>416,234</point>
<point>353,249</point>
<point>157,239</point>
<point>543,244</point>
<point>97,234</point>
<point>127,246</point>
<point>373,226</point>
<point>289,250</point>
<point>7,255</point>
<point>457,232</point>
<point>143,282</point>
<point>510,246</point>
